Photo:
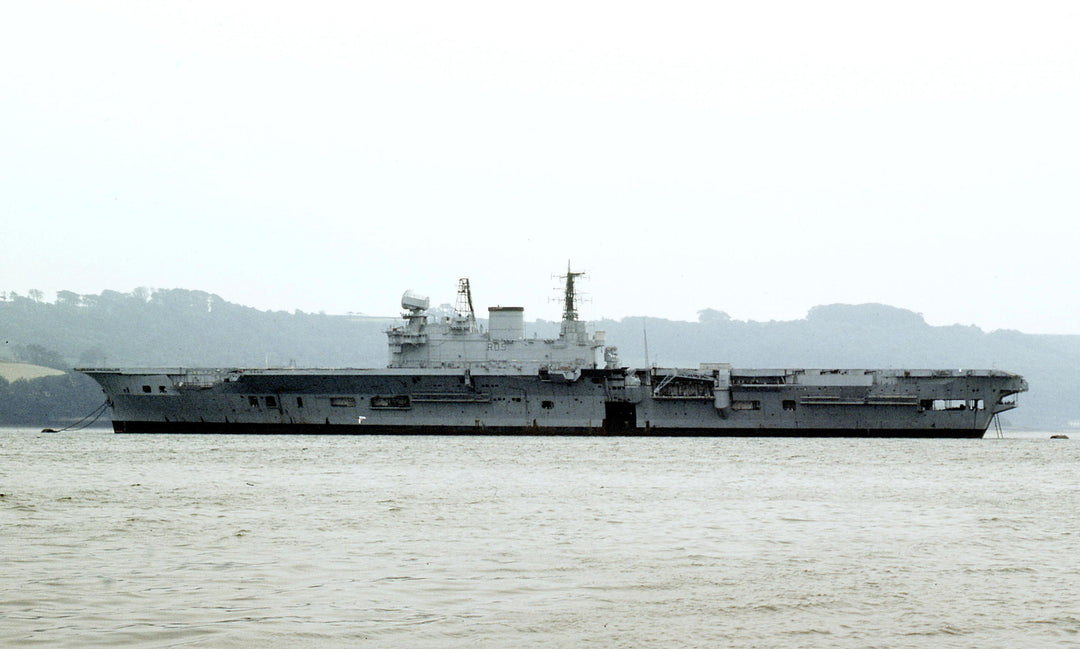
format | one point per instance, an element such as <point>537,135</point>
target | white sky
<point>757,158</point>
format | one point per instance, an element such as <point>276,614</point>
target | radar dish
<point>413,302</point>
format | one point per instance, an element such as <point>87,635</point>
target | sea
<point>370,541</point>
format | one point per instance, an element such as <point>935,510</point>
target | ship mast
<point>464,316</point>
<point>572,329</point>
<point>570,295</point>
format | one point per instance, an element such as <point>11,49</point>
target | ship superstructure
<point>458,342</point>
<point>450,375</point>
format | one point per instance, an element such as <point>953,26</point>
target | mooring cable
<point>79,425</point>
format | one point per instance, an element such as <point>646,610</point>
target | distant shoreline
<point>11,371</point>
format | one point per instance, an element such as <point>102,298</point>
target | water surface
<point>236,541</point>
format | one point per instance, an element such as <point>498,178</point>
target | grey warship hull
<point>655,402</point>
<point>451,377</point>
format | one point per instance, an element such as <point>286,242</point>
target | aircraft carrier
<point>450,376</point>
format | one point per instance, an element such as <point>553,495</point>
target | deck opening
<point>619,417</point>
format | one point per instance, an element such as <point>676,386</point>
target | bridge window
<point>547,405</point>
<point>253,402</point>
<point>789,404</point>
<point>271,402</point>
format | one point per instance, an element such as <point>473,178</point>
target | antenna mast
<point>570,294</point>
<point>465,317</point>
<point>645,336</point>
<point>572,329</point>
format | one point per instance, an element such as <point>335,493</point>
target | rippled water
<point>233,541</point>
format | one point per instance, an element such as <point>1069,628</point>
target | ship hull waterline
<point>219,428</point>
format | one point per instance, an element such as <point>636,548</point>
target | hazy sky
<point>757,158</point>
